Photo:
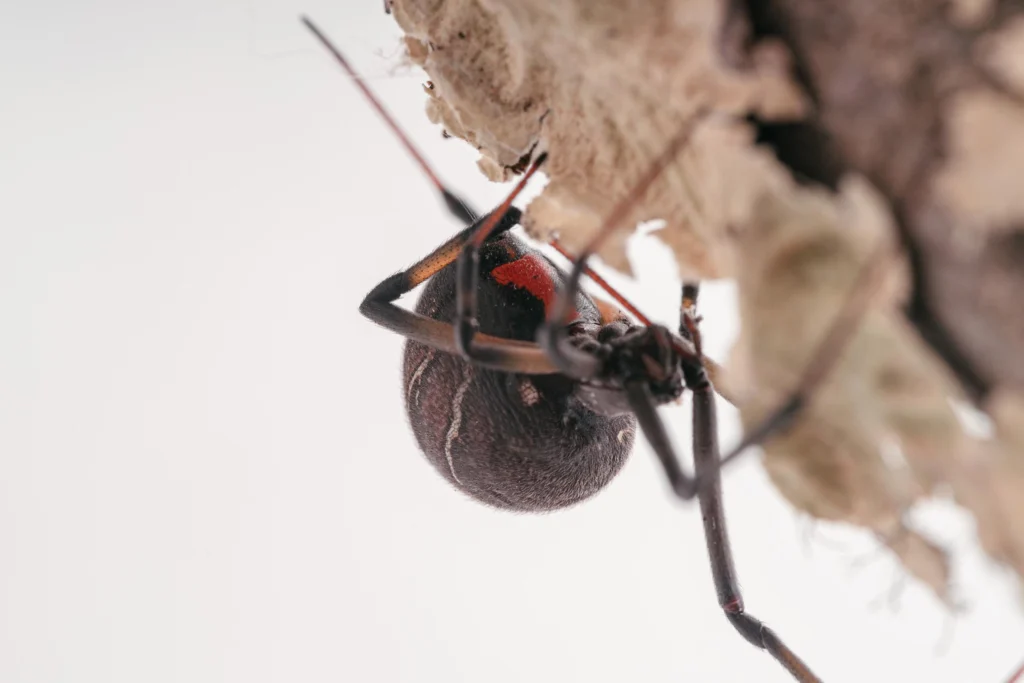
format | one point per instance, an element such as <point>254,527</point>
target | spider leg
<point>705,454</point>
<point>688,304</point>
<point>1017,674</point>
<point>455,204</point>
<point>640,400</point>
<point>499,354</point>
<point>688,308</point>
<point>709,494</point>
<point>642,403</point>
<point>706,485</point>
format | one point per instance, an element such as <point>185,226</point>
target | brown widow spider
<point>525,393</point>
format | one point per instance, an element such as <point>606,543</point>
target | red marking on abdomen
<point>532,274</point>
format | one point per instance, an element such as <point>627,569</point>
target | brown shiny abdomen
<point>513,441</point>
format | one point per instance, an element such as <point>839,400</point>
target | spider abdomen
<point>522,442</point>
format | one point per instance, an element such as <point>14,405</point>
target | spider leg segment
<point>493,352</point>
<point>705,454</point>
<point>468,269</point>
<point>1017,675</point>
<point>455,204</point>
<point>691,290</point>
<point>605,285</point>
<point>706,485</point>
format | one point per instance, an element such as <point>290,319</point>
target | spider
<point>525,393</point>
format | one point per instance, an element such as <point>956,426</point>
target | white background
<point>205,468</point>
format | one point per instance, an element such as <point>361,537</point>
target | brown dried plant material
<point>1001,53</point>
<point>990,485</point>
<point>603,85</point>
<point>879,434</point>
<point>979,184</point>
<point>971,13</point>
<point>509,75</point>
<point>894,82</point>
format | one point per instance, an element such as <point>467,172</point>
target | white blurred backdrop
<point>205,468</point>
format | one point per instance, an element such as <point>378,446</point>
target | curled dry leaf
<point>602,86</point>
